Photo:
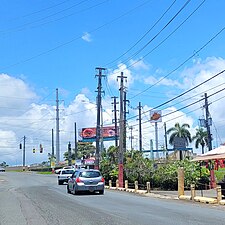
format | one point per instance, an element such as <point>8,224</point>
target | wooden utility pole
<point>115,119</point>
<point>125,120</point>
<point>165,136</point>
<point>99,105</point>
<point>140,131</point>
<point>131,137</point>
<point>53,143</point>
<point>57,128</point>
<point>75,139</point>
<point>122,130</point>
<point>208,123</point>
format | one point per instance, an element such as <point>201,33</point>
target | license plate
<point>91,188</point>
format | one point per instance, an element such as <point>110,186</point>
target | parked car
<point>88,180</point>
<point>64,175</point>
<point>2,169</point>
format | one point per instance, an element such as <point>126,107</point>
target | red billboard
<point>107,133</point>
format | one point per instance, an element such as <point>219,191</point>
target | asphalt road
<point>35,199</point>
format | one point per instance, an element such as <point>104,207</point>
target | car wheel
<point>101,192</point>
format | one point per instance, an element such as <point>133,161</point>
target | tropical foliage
<point>200,138</point>
<point>179,131</point>
<point>83,150</point>
<point>160,175</point>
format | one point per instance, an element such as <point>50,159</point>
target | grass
<point>45,172</point>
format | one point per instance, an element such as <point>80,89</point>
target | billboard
<point>107,133</point>
<point>155,116</point>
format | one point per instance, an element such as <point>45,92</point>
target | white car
<point>64,175</point>
<point>65,167</point>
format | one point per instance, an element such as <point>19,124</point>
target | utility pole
<point>99,105</point>
<point>115,119</point>
<point>24,151</point>
<point>69,155</point>
<point>101,132</point>
<point>131,137</point>
<point>140,131</point>
<point>75,139</point>
<point>208,122</point>
<point>121,144</point>
<point>53,143</point>
<point>57,128</point>
<point>156,140</point>
<point>125,121</point>
<point>165,135</point>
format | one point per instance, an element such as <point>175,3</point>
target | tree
<point>86,149</point>
<point>200,138</point>
<point>179,131</point>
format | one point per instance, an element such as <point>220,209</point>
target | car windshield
<point>90,174</point>
<point>67,171</point>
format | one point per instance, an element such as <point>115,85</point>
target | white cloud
<point>113,76</point>
<point>162,81</point>
<point>139,64</point>
<point>21,116</point>
<point>86,37</point>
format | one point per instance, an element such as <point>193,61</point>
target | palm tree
<point>200,138</point>
<point>180,131</point>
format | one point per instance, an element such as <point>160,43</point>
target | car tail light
<point>78,180</point>
<point>102,180</point>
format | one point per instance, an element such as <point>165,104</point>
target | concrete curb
<point>184,197</point>
<point>205,200</point>
<point>222,202</point>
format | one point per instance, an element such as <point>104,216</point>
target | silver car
<point>64,175</point>
<point>88,180</point>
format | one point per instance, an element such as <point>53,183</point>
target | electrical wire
<point>152,39</point>
<point>161,17</point>
<point>75,38</point>
<point>41,19</point>
<point>191,104</point>
<point>191,89</point>
<point>186,60</point>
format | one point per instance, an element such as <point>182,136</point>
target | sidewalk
<point>211,193</point>
<point>203,196</point>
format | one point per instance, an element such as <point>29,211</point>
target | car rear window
<point>67,171</point>
<point>90,174</point>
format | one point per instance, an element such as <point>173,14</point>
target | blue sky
<point>58,44</point>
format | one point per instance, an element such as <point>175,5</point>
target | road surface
<point>35,199</point>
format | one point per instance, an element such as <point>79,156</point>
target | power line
<point>143,35</point>
<point>193,103</point>
<point>190,57</point>
<point>43,18</point>
<point>167,24</point>
<point>75,38</point>
<point>41,10</point>
<point>178,96</point>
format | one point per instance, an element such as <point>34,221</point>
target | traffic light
<point>41,148</point>
<point>69,146</point>
<point>33,150</point>
<point>20,146</point>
